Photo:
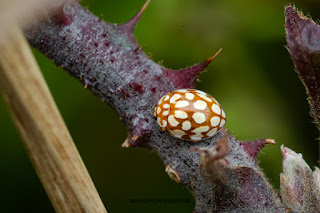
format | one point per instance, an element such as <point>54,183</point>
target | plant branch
<point>45,136</point>
<point>303,38</point>
<point>108,61</point>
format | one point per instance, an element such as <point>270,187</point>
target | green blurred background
<point>253,79</point>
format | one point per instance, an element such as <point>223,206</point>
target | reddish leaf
<point>303,37</point>
<point>300,189</point>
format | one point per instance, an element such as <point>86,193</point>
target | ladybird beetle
<point>189,114</point>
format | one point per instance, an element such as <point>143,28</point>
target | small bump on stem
<point>173,174</point>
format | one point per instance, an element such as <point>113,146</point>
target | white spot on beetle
<point>223,114</point>
<point>158,110</point>
<point>189,96</point>
<point>223,121</point>
<point>181,104</point>
<point>200,92</point>
<point>186,125</point>
<point>199,117</point>
<point>164,123</point>
<point>159,121</point>
<point>180,114</point>
<point>182,90</point>
<point>166,97</point>
<point>196,137</point>
<point>205,97</point>
<point>201,105</point>
<point>172,121</point>
<point>201,129</point>
<point>160,101</point>
<point>178,133</point>
<point>215,120</point>
<point>166,106</point>
<point>174,98</point>
<point>216,109</point>
<point>165,113</point>
<point>212,132</point>
<point>215,101</point>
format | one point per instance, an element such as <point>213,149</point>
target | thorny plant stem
<point>107,59</point>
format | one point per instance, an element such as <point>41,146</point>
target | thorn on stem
<point>214,56</point>
<point>101,17</point>
<point>126,143</point>
<point>131,141</point>
<point>186,78</point>
<point>129,26</point>
<point>252,148</point>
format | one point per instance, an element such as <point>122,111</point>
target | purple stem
<point>107,61</point>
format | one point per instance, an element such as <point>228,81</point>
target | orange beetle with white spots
<point>189,114</point>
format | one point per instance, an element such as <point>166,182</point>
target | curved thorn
<point>214,56</point>
<point>129,25</point>
<point>130,141</point>
<point>252,148</point>
<point>186,78</point>
<point>198,68</point>
<point>126,143</point>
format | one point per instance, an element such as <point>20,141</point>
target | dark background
<point>253,79</point>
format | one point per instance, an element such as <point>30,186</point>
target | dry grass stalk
<point>45,136</point>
